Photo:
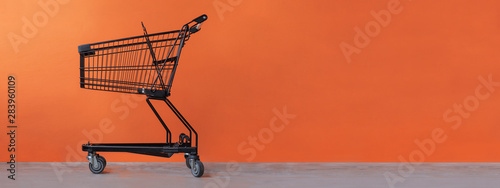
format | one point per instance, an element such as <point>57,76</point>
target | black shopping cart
<point>145,65</point>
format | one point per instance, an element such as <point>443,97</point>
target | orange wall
<point>255,57</point>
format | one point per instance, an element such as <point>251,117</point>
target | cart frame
<point>109,66</point>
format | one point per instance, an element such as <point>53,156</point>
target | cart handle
<point>200,19</point>
<point>195,28</point>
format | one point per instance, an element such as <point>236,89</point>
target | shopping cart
<point>145,65</point>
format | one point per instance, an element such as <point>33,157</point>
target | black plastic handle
<point>201,19</point>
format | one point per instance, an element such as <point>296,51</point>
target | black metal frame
<point>140,65</point>
<point>166,149</point>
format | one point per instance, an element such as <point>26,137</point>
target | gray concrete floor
<point>220,175</point>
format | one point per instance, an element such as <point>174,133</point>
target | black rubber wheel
<point>197,169</point>
<point>99,166</point>
<point>187,161</point>
<point>103,159</point>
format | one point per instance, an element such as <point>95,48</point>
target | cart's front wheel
<point>98,167</point>
<point>197,169</point>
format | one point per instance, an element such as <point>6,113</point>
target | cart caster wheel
<point>99,166</point>
<point>197,169</point>
<point>103,159</point>
<point>187,161</point>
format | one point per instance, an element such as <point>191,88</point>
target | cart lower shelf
<point>97,163</point>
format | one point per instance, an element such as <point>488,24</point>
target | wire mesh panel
<point>141,64</point>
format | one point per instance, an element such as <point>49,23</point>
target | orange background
<point>260,56</point>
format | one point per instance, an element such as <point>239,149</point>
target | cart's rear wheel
<point>98,167</point>
<point>197,169</point>
<point>186,156</point>
<point>103,159</point>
